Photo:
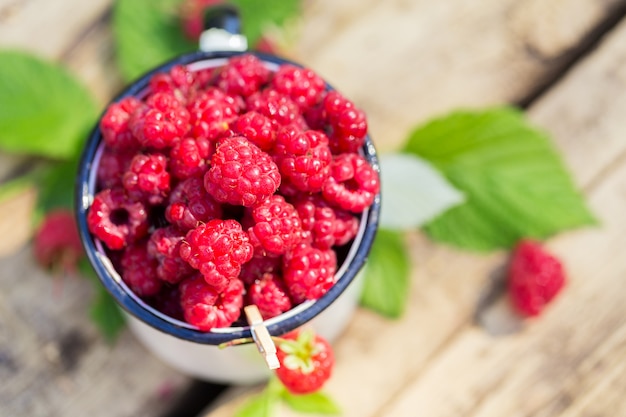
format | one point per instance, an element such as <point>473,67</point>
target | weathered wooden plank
<point>57,363</point>
<point>47,28</point>
<point>574,355</point>
<point>92,59</point>
<point>405,61</point>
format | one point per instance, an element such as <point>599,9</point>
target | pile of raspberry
<point>231,186</point>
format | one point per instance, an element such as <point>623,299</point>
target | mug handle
<point>222,30</point>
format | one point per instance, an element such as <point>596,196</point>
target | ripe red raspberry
<point>324,225</point>
<point>243,75</point>
<point>188,158</point>
<point>217,249</point>
<point>117,220</point>
<point>179,82</point>
<point>139,270</point>
<point>190,204</point>
<point>306,361</point>
<point>147,178</point>
<point>302,85</point>
<point>277,227</point>
<point>303,157</point>
<point>164,246</point>
<point>309,272</point>
<point>261,263</point>
<point>240,173</point>
<point>277,107</point>
<point>257,128</point>
<point>352,184</point>
<point>205,307</point>
<point>347,226</point>
<point>114,125</point>
<point>535,277</point>
<point>161,123</point>
<point>347,124</point>
<point>56,241</point>
<point>111,167</point>
<point>270,295</point>
<point>211,112</point>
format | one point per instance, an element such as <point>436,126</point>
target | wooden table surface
<point>403,62</point>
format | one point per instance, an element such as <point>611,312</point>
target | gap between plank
<point>571,57</point>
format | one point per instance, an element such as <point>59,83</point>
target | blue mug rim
<point>130,303</point>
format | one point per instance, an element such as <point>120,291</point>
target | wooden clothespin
<point>261,336</point>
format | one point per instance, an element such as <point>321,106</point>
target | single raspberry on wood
<point>243,75</point>
<point>189,157</point>
<point>535,277</point>
<point>277,227</point>
<point>240,173</point>
<point>192,17</point>
<point>164,246</point>
<point>309,272</point>
<point>114,125</point>
<point>161,122</point>
<point>303,157</point>
<point>147,178</point>
<point>206,307</point>
<point>217,249</point>
<point>139,270</point>
<point>257,128</point>
<point>190,204</point>
<point>352,184</point>
<point>56,242</point>
<point>117,220</point>
<point>302,85</point>
<point>306,361</point>
<point>270,295</point>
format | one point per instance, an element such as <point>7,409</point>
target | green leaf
<point>104,311</point>
<point>147,33</point>
<point>414,192</point>
<point>56,187</point>
<point>44,111</point>
<point>315,403</point>
<point>258,15</point>
<point>387,275</point>
<point>261,405</point>
<point>515,182</point>
<point>106,315</point>
<point>16,186</point>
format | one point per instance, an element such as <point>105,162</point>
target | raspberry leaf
<point>45,111</point>
<point>263,404</point>
<point>256,16</point>
<point>147,33</point>
<point>414,192</point>
<point>387,275</point>
<point>514,180</point>
<point>104,311</point>
<point>314,403</point>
